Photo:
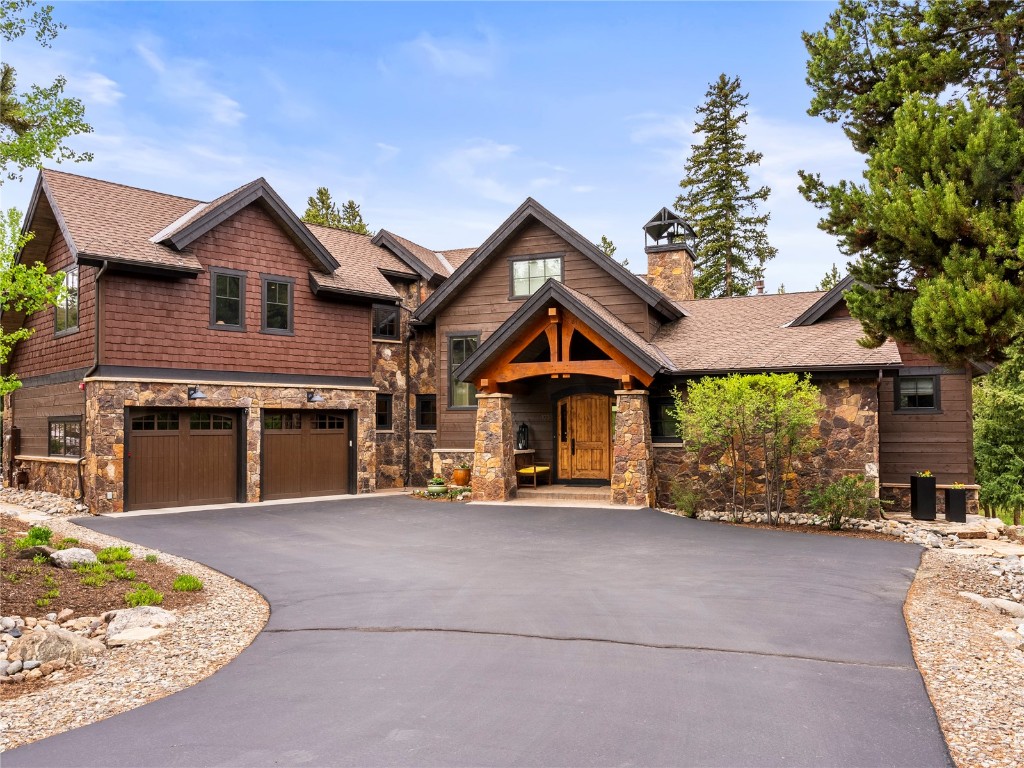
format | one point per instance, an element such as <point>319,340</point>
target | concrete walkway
<point>405,632</point>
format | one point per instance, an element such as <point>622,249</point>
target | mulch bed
<point>18,597</point>
<point>816,529</point>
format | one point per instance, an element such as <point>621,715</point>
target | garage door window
<point>159,422</point>
<point>282,421</point>
<point>328,421</point>
<point>210,422</point>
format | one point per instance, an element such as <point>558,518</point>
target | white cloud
<point>476,167</point>
<point>96,88</point>
<point>386,152</point>
<point>183,82</point>
<point>582,188</point>
<point>457,58</point>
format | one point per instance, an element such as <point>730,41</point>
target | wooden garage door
<point>182,457</point>
<point>306,453</point>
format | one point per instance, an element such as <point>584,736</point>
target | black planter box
<point>922,498</point>
<point>956,505</point>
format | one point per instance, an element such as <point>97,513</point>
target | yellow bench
<point>530,473</point>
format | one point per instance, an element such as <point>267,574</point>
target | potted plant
<point>922,496</point>
<point>460,476</point>
<point>956,503</point>
<point>436,486</point>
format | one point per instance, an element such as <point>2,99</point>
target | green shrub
<point>849,497</point>
<point>42,602</point>
<point>39,534</point>
<point>14,577</point>
<point>143,595</point>
<point>49,581</point>
<point>187,583</point>
<point>114,554</point>
<point>151,558</point>
<point>684,498</point>
<point>52,594</point>
<point>93,574</point>
<point>121,571</point>
<point>67,543</point>
<point>40,559</point>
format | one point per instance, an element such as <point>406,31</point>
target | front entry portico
<point>556,343</point>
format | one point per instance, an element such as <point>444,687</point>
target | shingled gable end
<point>227,351</point>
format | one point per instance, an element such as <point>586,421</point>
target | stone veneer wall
<point>848,429</point>
<point>633,480</point>
<point>446,460</point>
<point>494,469</point>
<point>55,476</point>
<point>104,425</point>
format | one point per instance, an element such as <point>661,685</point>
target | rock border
<point>127,677</point>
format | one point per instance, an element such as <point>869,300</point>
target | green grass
<point>187,583</point>
<point>151,558</point>
<point>114,554</point>
<point>143,594</point>
<point>67,543</point>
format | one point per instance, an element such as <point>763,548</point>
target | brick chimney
<point>670,255</point>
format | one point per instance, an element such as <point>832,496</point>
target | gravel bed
<point>975,680</point>
<point>206,637</point>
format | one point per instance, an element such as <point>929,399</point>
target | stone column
<point>633,480</point>
<point>494,470</point>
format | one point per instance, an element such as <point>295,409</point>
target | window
<point>161,422</point>
<point>275,421</point>
<point>66,319</point>
<point>200,421</point>
<point>277,304</point>
<point>384,418</point>
<point>328,421</point>
<point>65,436</point>
<point>426,412</point>
<point>461,394</point>
<point>663,424</point>
<point>385,322</point>
<point>227,300</point>
<point>528,275</point>
<point>915,393</point>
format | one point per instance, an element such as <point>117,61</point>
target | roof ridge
<point>122,185</point>
<point>754,296</point>
<point>336,229</point>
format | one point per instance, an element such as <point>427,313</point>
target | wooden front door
<point>584,437</point>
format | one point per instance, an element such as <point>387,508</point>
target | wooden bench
<point>527,470</point>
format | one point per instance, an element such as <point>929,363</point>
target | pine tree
<point>932,93</point>
<point>352,219</point>
<point>732,245</point>
<point>321,209</point>
<point>999,435</point>
<point>830,280</point>
<point>607,246</point>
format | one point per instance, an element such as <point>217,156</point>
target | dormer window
<point>529,274</point>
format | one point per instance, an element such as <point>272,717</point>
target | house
<point>226,351</point>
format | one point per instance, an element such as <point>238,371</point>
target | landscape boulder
<point>134,635</point>
<point>29,552</point>
<point>54,643</point>
<point>68,558</point>
<point>145,616</point>
<point>1009,607</point>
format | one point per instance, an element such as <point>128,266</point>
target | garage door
<point>306,453</point>
<point>182,457</point>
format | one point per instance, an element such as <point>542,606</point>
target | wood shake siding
<point>34,406</point>
<point>42,353</point>
<point>941,442</point>
<point>483,305</point>
<point>165,323</point>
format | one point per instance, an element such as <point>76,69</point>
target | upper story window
<point>528,275</point>
<point>227,300</point>
<point>426,412</point>
<point>385,416</point>
<point>917,393</point>
<point>663,423</point>
<point>65,436</point>
<point>278,304</point>
<point>461,394</point>
<point>66,318</point>
<point>385,322</point>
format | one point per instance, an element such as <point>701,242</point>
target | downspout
<point>90,372</point>
<point>410,417</point>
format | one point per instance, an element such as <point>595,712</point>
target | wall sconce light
<point>195,393</point>
<point>313,397</point>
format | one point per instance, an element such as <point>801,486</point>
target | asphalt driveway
<point>411,633</point>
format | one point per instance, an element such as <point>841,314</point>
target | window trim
<point>451,371</point>
<point>373,322</point>
<point>657,402</point>
<point>241,275</point>
<point>73,269</point>
<point>936,389</point>
<point>388,398</point>
<point>49,435</point>
<point>425,399</point>
<point>290,282</point>
<point>512,295</point>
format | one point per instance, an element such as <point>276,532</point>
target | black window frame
<point>658,434</point>
<point>897,394</point>
<point>216,272</point>
<point>71,273</point>
<point>536,257</point>
<point>63,439</point>
<point>452,338</point>
<point>388,400</point>
<point>265,281</point>
<point>374,333</point>
<point>421,401</point>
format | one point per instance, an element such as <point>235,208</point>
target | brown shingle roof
<point>425,255</point>
<point>360,261</point>
<point>747,334</point>
<point>457,256</point>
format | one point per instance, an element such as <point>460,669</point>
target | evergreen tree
<point>352,219</point>
<point>35,124</point>
<point>999,435</point>
<point>830,280</point>
<point>932,93</point>
<point>321,209</point>
<point>731,245</point>
<point>607,246</point>
<point>781,289</point>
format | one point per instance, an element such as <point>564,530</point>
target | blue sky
<point>439,119</point>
